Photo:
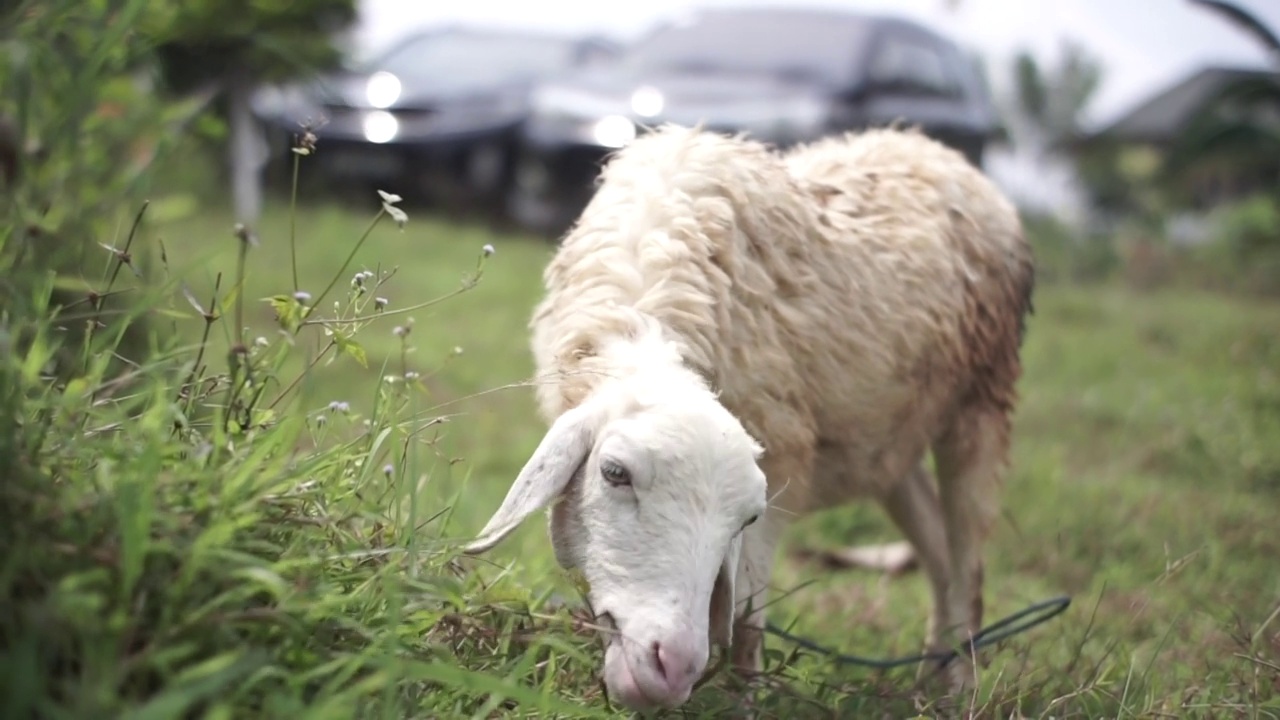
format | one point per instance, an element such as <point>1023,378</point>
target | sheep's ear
<point>724,596</point>
<point>559,455</point>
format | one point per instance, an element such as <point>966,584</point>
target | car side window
<point>912,67</point>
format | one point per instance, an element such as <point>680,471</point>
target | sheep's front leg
<point>914,507</point>
<point>789,474</point>
<point>755,570</point>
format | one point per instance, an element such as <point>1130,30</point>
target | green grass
<point>482,392</point>
<point>1145,484</point>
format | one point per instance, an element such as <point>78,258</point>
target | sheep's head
<point>651,482</point>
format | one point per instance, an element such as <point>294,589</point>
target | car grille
<point>346,113</point>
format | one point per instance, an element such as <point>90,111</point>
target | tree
<point>1052,104</point>
<point>1246,20</point>
<point>1235,136</point>
<point>235,45</point>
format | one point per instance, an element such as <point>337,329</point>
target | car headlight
<point>647,102</point>
<point>613,131</point>
<point>382,90</point>
<point>380,126</point>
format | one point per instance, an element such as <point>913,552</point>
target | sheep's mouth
<point>607,627</point>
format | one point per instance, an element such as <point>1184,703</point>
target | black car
<point>436,112</point>
<point>782,75</point>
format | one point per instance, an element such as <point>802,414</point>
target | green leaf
<point>351,347</point>
<point>135,506</point>
<point>72,284</point>
<point>171,313</point>
<point>482,683</point>
<point>263,416</point>
<point>288,311</point>
<point>227,301</point>
<point>271,581</point>
<point>197,684</point>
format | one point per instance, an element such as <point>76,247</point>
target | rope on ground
<point>1014,624</point>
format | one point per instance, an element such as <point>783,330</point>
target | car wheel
<point>485,168</point>
<point>531,200</point>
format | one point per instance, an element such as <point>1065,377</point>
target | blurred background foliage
<point>102,97</point>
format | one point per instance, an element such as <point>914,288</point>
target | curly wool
<point>852,294</point>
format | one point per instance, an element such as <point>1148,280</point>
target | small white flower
<point>411,375</point>
<point>457,350</point>
<point>397,214</point>
<point>389,197</point>
<point>488,250</point>
<point>339,406</point>
<point>302,296</point>
<point>387,469</point>
<point>260,341</point>
<point>321,419</point>
<point>379,303</point>
<point>400,331</point>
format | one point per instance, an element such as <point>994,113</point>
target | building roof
<point>1163,116</point>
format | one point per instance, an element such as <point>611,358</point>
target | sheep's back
<point>943,267</point>
<point>899,298</point>
<point>925,282</point>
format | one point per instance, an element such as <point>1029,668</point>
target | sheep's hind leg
<point>971,459</point>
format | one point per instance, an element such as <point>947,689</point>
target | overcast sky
<point>1145,44</point>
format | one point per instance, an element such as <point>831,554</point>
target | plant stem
<point>346,263</point>
<point>298,379</point>
<point>293,221</point>
<point>397,311</point>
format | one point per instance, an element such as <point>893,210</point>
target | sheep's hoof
<point>890,558</point>
<point>941,691</point>
<point>954,681</point>
<point>934,678</point>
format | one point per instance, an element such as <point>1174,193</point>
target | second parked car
<point>783,75</point>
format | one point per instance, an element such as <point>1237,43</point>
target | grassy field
<point>1145,483</point>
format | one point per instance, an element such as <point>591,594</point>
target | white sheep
<point>728,328</point>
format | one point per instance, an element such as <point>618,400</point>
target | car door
<point>912,78</point>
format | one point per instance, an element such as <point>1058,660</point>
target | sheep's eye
<point>750,522</point>
<point>615,474</point>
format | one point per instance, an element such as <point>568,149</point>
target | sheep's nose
<point>680,662</point>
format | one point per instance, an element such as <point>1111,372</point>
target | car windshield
<point>813,46</point>
<point>474,58</point>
